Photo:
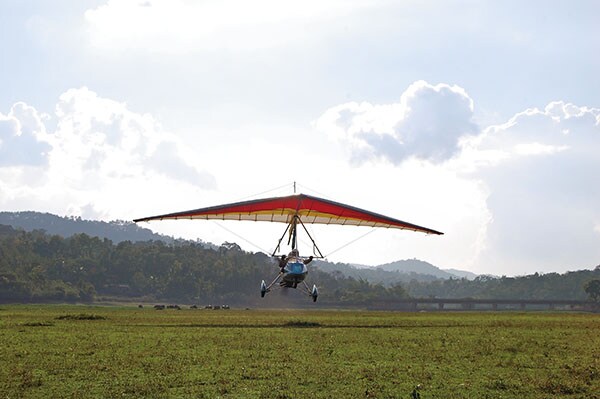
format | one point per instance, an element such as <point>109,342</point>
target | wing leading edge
<point>310,210</point>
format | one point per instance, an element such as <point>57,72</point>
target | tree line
<point>570,285</point>
<point>38,267</point>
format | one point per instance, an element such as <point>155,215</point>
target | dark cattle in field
<point>194,307</point>
<point>159,307</point>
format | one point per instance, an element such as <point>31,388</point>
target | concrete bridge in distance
<point>415,304</point>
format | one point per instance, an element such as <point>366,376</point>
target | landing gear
<point>314,293</point>
<point>263,289</point>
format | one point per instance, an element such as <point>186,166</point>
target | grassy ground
<point>108,352</point>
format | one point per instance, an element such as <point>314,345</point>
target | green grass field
<point>109,352</point>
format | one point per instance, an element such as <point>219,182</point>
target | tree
<point>592,288</point>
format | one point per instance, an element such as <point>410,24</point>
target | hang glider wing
<point>310,210</point>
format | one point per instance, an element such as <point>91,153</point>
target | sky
<point>480,119</point>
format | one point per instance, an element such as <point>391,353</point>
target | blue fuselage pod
<point>295,271</point>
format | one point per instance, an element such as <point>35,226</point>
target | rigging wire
<point>245,198</point>
<point>265,192</point>
<point>314,191</point>
<point>350,242</point>
<point>240,237</point>
<point>309,244</point>
<point>293,184</point>
<point>306,244</point>
<point>303,241</point>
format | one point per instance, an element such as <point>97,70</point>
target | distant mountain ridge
<point>462,273</point>
<point>416,266</point>
<point>422,267</point>
<point>402,271</point>
<point>116,231</point>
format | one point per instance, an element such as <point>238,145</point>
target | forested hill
<point>37,267</point>
<point>116,231</point>
<point>120,230</point>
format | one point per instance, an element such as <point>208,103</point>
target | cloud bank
<point>538,173</point>
<point>98,151</point>
<point>426,124</point>
<point>544,184</point>
<point>23,138</point>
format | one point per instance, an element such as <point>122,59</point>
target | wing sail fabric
<point>310,210</point>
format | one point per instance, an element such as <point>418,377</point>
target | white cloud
<point>427,123</point>
<point>102,136</point>
<point>538,149</point>
<point>98,153</point>
<point>545,191</point>
<point>167,159</point>
<point>23,138</point>
<point>417,139</point>
<point>522,196</point>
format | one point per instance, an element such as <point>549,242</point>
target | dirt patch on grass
<point>81,316</point>
<point>302,324</point>
<point>38,324</point>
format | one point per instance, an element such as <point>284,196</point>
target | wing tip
<point>435,232</point>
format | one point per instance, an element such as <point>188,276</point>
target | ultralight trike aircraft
<point>294,210</point>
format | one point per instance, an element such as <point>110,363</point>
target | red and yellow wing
<point>310,210</point>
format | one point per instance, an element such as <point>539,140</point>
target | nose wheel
<point>264,288</point>
<point>314,293</point>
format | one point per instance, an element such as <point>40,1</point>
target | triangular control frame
<point>292,229</point>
